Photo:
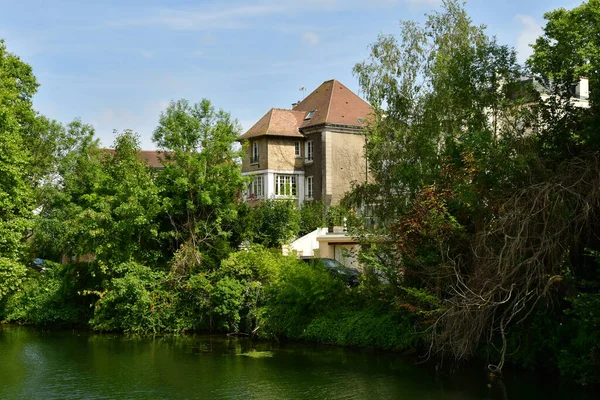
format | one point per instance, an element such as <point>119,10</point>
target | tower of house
<point>315,151</point>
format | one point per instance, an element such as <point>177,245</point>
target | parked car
<point>337,269</point>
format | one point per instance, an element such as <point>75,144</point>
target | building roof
<point>330,103</point>
<point>154,158</point>
<point>277,122</point>
<point>334,103</point>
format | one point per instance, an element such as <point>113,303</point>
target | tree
<point>201,177</point>
<point>443,90</point>
<point>17,87</point>
<point>449,143</point>
<point>568,50</point>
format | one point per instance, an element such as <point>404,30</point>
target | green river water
<point>75,365</point>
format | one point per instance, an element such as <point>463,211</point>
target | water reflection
<point>71,365</point>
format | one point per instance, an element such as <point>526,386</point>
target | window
<point>285,185</point>
<point>255,189</point>
<point>309,187</point>
<point>309,115</point>
<point>297,150</point>
<point>309,150</point>
<point>254,156</point>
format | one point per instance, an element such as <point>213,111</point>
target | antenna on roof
<point>303,90</point>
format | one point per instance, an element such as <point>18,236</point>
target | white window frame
<point>310,147</point>
<point>298,149</point>
<point>286,185</point>
<point>256,188</point>
<point>254,153</point>
<point>309,187</point>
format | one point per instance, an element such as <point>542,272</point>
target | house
<point>313,151</point>
<point>154,158</point>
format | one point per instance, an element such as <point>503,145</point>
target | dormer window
<point>309,115</point>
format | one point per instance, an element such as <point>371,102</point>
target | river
<point>75,365</point>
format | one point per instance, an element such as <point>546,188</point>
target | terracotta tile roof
<point>332,103</point>
<point>277,122</point>
<point>153,158</point>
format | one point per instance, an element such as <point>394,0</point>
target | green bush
<point>311,217</point>
<point>580,359</point>
<point>270,223</point>
<point>304,292</point>
<point>12,274</point>
<point>229,298</point>
<point>134,301</point>
<point>55,297</point>
<point>364,328</point>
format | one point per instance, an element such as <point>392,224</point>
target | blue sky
<point>117,64</point>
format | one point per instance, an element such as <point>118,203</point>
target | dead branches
<point>517,259</point>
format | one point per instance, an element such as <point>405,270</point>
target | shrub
<point>304,292</point>
<point>364,328</point>
<point>55,297</point>
<point>134,301</point>
<point>311,216</point>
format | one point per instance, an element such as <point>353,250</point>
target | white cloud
<point>411,3</point>
<point>236,16</point>
<point>311,38</point>
<point>530,31</point>
<point>192,19</point>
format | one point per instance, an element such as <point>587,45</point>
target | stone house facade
<point>314,151</point>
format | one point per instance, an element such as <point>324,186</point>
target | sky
<point>118,64</point>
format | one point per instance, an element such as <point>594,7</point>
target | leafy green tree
<point>76,173</point>
<point>311,216</point>
<point>17,87</point>
<point>201,178</point>
<point>105,205</point>
<point>568,50</point>
<point>441,92</point>
<point>449,141</point>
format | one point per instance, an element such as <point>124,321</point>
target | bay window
<point>286,185</point>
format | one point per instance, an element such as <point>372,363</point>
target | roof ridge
<point>330,98</point>
<point>269,120</point>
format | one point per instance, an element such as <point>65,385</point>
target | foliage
<point>54,297</point>
<point>580,360</point>
<point>133,301</point>
<point>17,87</point>
<point>12,274</point>
<point>484,190</point>
<point>271,223</point>
<point>103,196</point>
<point>484,198</point>
<point>311,216</point>
<point>375,328</point>
<point>304,292</point>
<point>443,85</point>
<point>568,50</point>
<point>201,180</point>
